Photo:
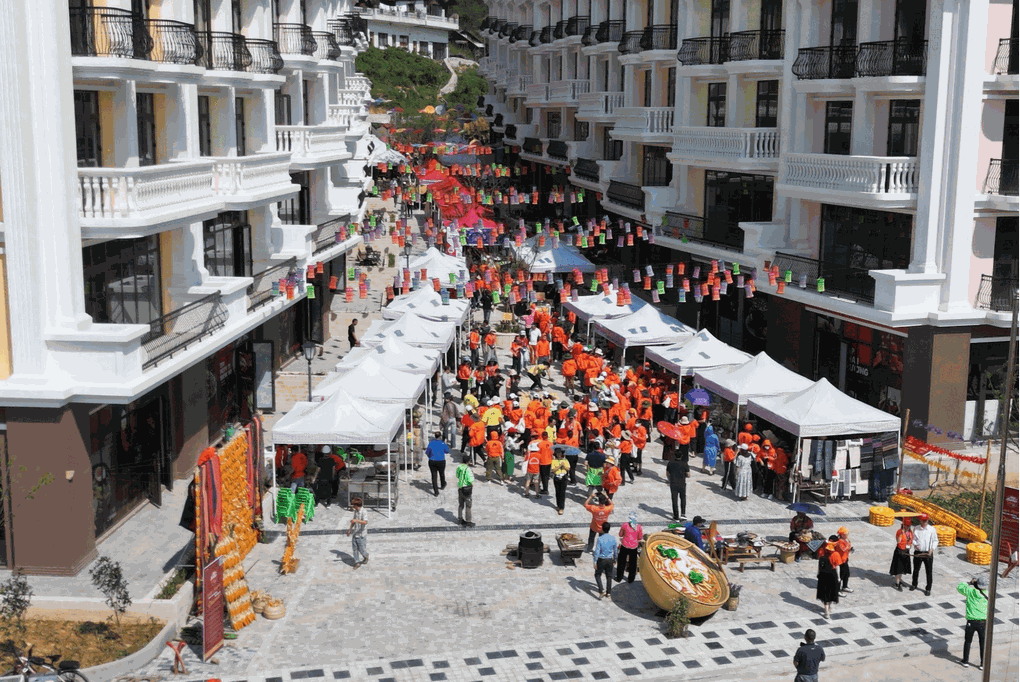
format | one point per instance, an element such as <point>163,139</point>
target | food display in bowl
<point>671,565</point>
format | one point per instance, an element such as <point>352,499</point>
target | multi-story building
<point>868,147</point>
<point>165,165</point>
<point>420,27</point>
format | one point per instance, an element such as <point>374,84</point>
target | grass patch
<point>89,643</point>
<point>181,576</point>
<point>968,505</point>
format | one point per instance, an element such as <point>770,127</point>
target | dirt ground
<point>88,642</point>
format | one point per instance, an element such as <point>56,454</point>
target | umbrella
<point>806,508</point>
<point>698,396</point>
<point>669,430</point>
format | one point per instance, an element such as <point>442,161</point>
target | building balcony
<point>659,42</point>
<point>647,125</point>
<point>326,46</point>
<point>610,33</point>
<point>432,19</point>
<point>588,36</point>
<point>519,86</point>
<point>243,182</point>
<point>313,146</point>
<point>537,94</point>
<point>532,148</point>
<point>124,203</point>
<point>482,27</point>
<point>175,331</point>
<point>265,56</point>
<point>109,32</point>
<point>535,39</point>
<point>1007,58</point>
<point>826,279</point>
<point>587,170</point>
<point>558,150</point>
<point>1000,187</point>
<point>757,46</point>
<point>630,43</point>
<point>879,182</point>
<point>510,133</point>
<point>576,26</point>
<point>892,58</point>
<point>560,30</point>
<point>497,122</point>
<point>262,290</point>
<point>545,35</point>
<point>486,64</point>
<point>599,107</point>
<point>494,28</point>
<point>827,62</point>
<point>342,31</point>
<point>344,115</point>
<point>750,149</point>
<point>704,51</point>
<point>626,195</point>
<point>294,40</point>
<point>996,294</point>
<point>567,92</point>
<point>521,34</point>
<point>508,30</point>
<point>720,234</point>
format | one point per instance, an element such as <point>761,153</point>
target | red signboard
<point>1010,534</point>
<point>212,608</point>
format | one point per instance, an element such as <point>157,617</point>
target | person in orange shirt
<point>577,349</point>
<point>559,340</point>
<point>901,554</point>
<point>780,465</point>
<point>766,460</point>
<point>531,468</point>
<point>490,346</point>
<point>466,421</point>
<point>600,507</point>
<point>474,341</point>
<point>688,430</point>
<point>569,370</point>
<point>517,346</point>
<point>640,437</point>
<point>590,375</point>
<point>729,470</point>
<point>464,377</point>
<point>545,456</point>
<point>611,478</point>
<point>844,547</point>
<point>494,457</point>
<point>626,457</point>
<point>476,437</point>
<point>829,560</point>
<point>542,350</point>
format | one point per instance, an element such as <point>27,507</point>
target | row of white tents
<point>369,397</point>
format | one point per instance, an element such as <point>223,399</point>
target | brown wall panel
<point>193,413</point>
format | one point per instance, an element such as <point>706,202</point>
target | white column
<point>734,102</point>
<point>39,170</point>
<point>124,136</point>
<point>862,137</point>
<point>221,120</point>
<point>181,122</point>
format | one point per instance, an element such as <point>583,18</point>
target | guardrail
<point>751,45</point>
<point>996,293</point>
<point>260,291</point>
<point>178,329</point>
<point>682,226</point>
<point>1002,177</point>
<point>842,281</point>
<point>864,174</point>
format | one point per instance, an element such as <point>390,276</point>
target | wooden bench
<point>770,560</point>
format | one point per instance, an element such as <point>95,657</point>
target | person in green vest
<point>977,615</point>
<point>465,486</point>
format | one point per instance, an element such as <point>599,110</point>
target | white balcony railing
<point>600,103</point>
<point>568,90</point>
<point>417,17</point>
<point>486,64</point>
<point>358,82</point>
<point>874,175</point>
<point>342,114</point>
<point>538,92</point>
<point>644,120</point>
<point>251,174</point>
<point>729,144</point>
<point>109,193</point>
<point>520,84</point>
<point>312,141</point>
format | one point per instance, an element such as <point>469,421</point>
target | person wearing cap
<point>827,590</point>
<point>511,448</point>
<point>493,417</point>
<point>545,458</point>
<point>844,547</point>
<point>901,554</point>
<point>513,383</point>
<point>926,545</point>
<point>729,454</point>
<point>464,377</point>
<point>631,534</point>
<point>476,436</point>
<point>531,469</point>
<point>328,475</point>
<point>494,457</point>
<point>692,532</point>
<point>600,507</point>
<point>976,594</point>
<point>742,466</point>
<point>626,457</point>
<point>560,470</point>
<point>611,479</point>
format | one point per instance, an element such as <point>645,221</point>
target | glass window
<point>716,105</point>
<point>227,239</point>
<point>86,123</point>
<point>720,19</point>
<point>122,281</point>
<point>647,86</point>
<point>612,150</point>
<point>239,126</point>
<point>671,87</point>
<point>767,105</point>
<point>838,127</point>
<point>863,239</point>
<point>282,109</point>
<point>146,115</point>
<point>306,97</point>
<point>297,210</point>
<point>904,125</point>
<point>657,170</point>
<point>553,126</point>
<point>204,127</point>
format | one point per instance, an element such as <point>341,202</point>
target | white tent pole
<point>389,483</point>
<point>794,488</point>
<point>406,450</point>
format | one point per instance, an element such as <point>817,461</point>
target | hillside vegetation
<point>412,82</point>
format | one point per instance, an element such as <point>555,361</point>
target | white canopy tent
<point>701,351</point>
<point>394,354</point>
<point>818,411</point>
<point>343,420</point>
<point>413,330</point>
<point>646,327</point>
<point>438,265</point>
<point>759,377</point>
<point>549,258</point>
<point>602,307</point>
<point>383,153</point>
<point>426,303</point>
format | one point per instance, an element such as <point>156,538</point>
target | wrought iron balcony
<point>840,281</point>
<point>560,31</point>
<point>610,31</point>
<point>1002,177</point>
<point>557,149</point>
<point>587,169</point>
<point>719,233</point>
<point>631,42</point>
<point>996,293</point>
<point>108,32</point>
<point>326,46</point>
<point>510,133</point>
<point>532,145</point>
<point>751,45</point>
<point>294,39</point>
<point>577,25</point>
<point>330,233</point>
<point>892,58</point>
<point>342,31</point>
<point>508,29</point>
<point>588,37</point>
<point>486,22</point>
<point>260,291</point>
<point>546,35</point>
<point>498,121</point>
<point>700,51</point>
<point>625,194</point>
<point>659,38</point>
<point>521,33</point>
<point>173,42</point>
<point>480,102</point>
<point>1006,58</point>
<point>488,110</point>
<point>224,51</point>
<point>178,329</point>
<point>496,27</point>
<point>534,40</point>
<point>830,61</point>
<point>265,56</point>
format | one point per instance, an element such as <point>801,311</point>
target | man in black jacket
<point>676,472</point>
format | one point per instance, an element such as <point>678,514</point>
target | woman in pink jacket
<point>630,534</point>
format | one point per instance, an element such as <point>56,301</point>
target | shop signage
<point>212,608</point>
<point>265,393</point>
<point>1009,538</point>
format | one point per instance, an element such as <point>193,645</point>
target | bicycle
<point>36,667</point>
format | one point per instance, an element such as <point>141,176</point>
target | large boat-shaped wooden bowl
<point>665,579</point>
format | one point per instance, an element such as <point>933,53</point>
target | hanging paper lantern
<point>782,287</point>
<point>821,285</point>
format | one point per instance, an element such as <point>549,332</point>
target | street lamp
<point>308,348</point>
<point>407,253</point>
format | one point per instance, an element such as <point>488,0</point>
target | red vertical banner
<point>212,608</point>
<point>1009,538</point>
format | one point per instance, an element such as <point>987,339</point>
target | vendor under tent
<point>646,327</point>
<point>343,420</point>
<point>821,411</point>
<point>602,307</point>
<point>701,351</point>
<point>426,303</point>
<point>549,258</point>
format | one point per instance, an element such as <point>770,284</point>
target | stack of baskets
<point>979,553</point>
<point>263,604</point>
<point>947,535</point>
<point>881,516</point>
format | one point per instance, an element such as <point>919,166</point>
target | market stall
<point>646,327</point>
<point>693,353</point>
<point>602,307</point>
<point>425,302</point>
<point>394,354</point>
<point>344,420</point>
<point>413,330</point>
<point>449,270</point>
<point>552,256</point>
<point>841,442</point>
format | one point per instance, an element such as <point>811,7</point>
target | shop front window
<point>122,281</point>
<point>865,363</point>
<point>228,245</point>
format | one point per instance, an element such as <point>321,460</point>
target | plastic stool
<point>286,506</point>
<point>304,496</point>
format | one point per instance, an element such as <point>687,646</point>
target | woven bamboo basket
<point>979,553</point>
<point>662,593</point>
<point>947,535</point>
<point>881,516</point>
<point>274,611</point>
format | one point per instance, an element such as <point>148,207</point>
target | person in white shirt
<point>926,544</point>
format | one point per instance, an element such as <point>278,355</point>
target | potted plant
<point>734,599</point>
<point>678,618</point>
